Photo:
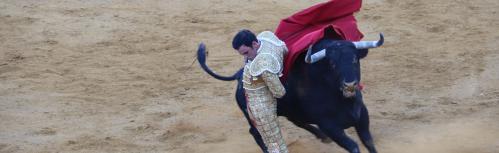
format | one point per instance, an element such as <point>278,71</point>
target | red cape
<point>310,25</point>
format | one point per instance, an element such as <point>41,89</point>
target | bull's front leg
<point>312,129</point>
<point>338,135</point>
<point>362,128</point>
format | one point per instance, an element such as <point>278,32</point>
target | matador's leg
<point>264,116</point>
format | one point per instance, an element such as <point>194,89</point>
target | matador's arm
<point>274,84</point>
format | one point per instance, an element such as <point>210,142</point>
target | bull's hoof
<point>326,140</point>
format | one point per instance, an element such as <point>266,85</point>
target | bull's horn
<point>314,57</point>
<point>370,44</point>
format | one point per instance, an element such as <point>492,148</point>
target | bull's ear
<point>361,53</point>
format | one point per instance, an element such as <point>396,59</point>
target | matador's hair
<point>243,37</point>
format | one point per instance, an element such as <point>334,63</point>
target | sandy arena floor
<point>119,76</point>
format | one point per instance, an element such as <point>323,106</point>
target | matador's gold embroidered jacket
<point>267,66</point>
<point>262,87</point>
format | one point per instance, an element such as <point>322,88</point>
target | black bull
<point>318,93</point>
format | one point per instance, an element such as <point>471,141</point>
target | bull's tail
<point>202,62</point>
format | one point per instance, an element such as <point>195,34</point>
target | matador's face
<point>249,52</point>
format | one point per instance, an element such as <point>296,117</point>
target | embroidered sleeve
<point>274,84</point>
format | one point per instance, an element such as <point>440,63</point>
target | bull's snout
<point>349,89</point>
